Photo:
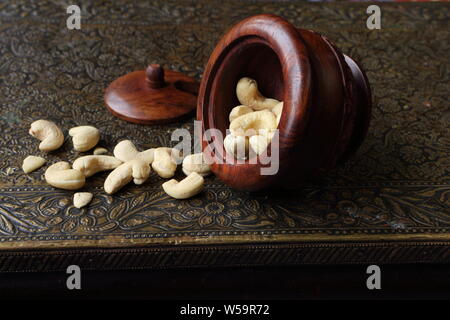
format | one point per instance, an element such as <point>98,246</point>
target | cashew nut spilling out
<point>186,188</point>
<point>126,151</point>
<point>84,137</point>
<point>49,133</point>
<point>164,164</point>
<point>61,175</point>
<point>239,111</point>
<point>236,145</point>
<point>136,169</point>
<point>196,163</point>
<point>248,94</point>
<point>258,143</point>
<point>82,199</point>
<point>277,111</point>
<point>90,165</point>
<point>99,151</point>
<point>32,163</point>
<point>250,123</point>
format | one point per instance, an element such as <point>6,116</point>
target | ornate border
<point>38,234</point>
<point>226,256</point>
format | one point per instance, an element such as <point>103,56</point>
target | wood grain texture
<point>326,103</point>
<point>152,96</point>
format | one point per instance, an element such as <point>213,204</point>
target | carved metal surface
<point>397,187</point>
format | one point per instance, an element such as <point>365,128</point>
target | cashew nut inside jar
<point>253,123</point>
<point>247,108</point>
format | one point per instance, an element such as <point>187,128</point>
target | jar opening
<point>253,58</point>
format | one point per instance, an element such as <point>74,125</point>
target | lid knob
<point>155,76</point>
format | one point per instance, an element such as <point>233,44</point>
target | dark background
<point>314,282</point>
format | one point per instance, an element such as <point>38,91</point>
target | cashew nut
<point>258,143</point>
<point>126,151</point>
<point>32,163</point>
<point>186,188</point>
<point>277,111</point>
<point>99,151</point>
<point>84,137</point>
<point>250,123</point>
<point>196,163</point>
<point>138,170</point>
<point>239,111</point>
<point>118,178</point>
<point>60,175</point>
<point>236,145</point>
<point>81,199</point>
<point>136,166</point>
<point>248,94</point>
<point>49,133</point>
<point>177,155</point>
<point>163,163</point>
<point>90,165</point>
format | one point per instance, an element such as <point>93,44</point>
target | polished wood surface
<point>326,99</point>
<point>152,96</point>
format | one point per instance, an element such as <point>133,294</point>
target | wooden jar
<point>327,100</point>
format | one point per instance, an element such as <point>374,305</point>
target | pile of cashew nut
<point>253,123</point>
<point>128,164</point>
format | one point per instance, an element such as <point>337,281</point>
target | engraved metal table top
<point>396,188</point>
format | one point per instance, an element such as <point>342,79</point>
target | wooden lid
<point>152,96</point>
